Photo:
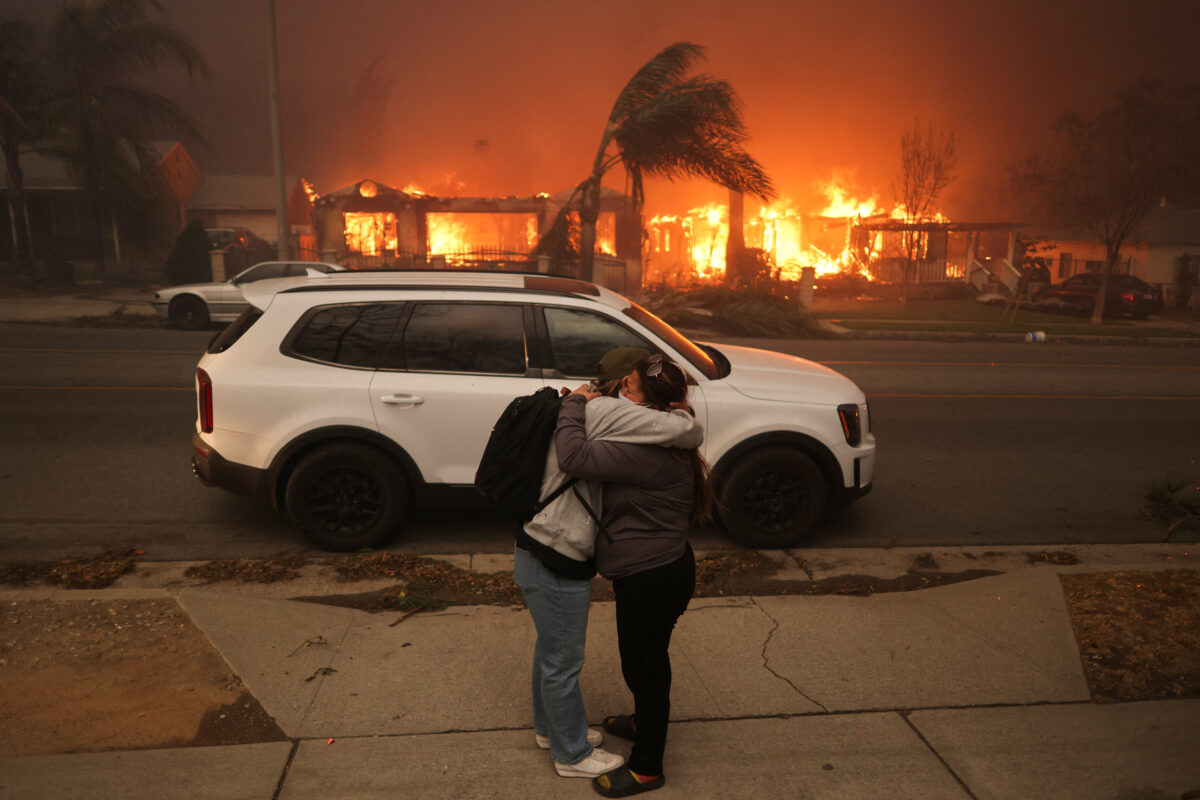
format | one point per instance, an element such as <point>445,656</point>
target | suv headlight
<point>851,424</point>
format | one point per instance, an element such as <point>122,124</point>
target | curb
<point>961,336</point>
<point>156,579</point>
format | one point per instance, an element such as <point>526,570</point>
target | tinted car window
<point>262,272</point>
<point>225,339</point>
<point>351,335</point>
<point>465,337</point>
<point>579,338</point>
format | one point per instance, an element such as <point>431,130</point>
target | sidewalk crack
<point>767,663</point>
<point>320,676</point>
<point>937,755</point>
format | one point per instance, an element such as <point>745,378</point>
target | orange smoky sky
<point>481,97</point>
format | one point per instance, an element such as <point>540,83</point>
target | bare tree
<point>1108,170</point>
<point>927,163</point>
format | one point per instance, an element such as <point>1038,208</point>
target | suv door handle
<point>402,399</point>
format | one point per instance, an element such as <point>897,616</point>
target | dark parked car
<point>1126,295</point>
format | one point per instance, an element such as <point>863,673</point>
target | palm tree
<point>95,49</point>
<point>20,97</point>
<point>668,124</point>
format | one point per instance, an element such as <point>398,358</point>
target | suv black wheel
<point>772,497</point>
<point>346,497</point>
<point>188,313</point>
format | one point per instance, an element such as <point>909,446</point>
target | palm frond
<point>150,44</point>
<point>694,128</point>
<point>140,109</point>
<point>667,68</point>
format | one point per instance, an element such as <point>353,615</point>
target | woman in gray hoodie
<point>553,564</point>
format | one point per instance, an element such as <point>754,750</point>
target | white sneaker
<point>594,738</point>
<point>598,763</point>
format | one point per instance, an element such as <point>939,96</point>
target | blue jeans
<point>559,607</point>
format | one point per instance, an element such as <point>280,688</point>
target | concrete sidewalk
<point>972,690</point>
<point>89,301</point>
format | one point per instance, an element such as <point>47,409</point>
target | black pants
<point>648,604</point>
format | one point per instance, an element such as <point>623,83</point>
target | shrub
<point>746,312</point>
<point>189,261</point>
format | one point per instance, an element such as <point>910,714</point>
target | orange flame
<point>780,231</point>
<point>371,234</point>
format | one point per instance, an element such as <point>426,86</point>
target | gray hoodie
<point>565,524</point>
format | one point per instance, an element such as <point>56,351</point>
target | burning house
<point>848,238</point>
<point>370,225</point>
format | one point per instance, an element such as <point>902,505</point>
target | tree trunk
<point>1110,260</point>
<point>22,253</point>
<point>98,239</point>
<point>735,244</point>
<point>589,214</point>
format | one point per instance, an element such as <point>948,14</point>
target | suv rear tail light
<point>204,400</point>
<point>851,426</point>
<point>1127,297</point>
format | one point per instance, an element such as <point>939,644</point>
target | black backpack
<point>514,460</point>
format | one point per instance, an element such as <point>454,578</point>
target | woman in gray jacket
<point>553,564</point>
<point>651,496</point>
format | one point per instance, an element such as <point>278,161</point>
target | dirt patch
<point>243,570</point>
<point>422,584</point>
<point>1138,633</point>
<point>1062,557</point>
<point>97,572</point>
<point>91,675</point>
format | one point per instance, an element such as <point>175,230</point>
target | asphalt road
<point>978,444</point>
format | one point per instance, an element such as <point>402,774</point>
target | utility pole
<point>283,230</point>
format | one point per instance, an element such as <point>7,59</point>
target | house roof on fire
<point>608,197</point>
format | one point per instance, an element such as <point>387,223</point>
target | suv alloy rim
<point>774,500</point>
<point>345,500</point>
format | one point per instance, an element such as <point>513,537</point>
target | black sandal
<point>621,725</point>
<point>621,783</point>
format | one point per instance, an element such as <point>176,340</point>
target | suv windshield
<point>699,359</point>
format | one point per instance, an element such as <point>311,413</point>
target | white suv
<point>339,396</point>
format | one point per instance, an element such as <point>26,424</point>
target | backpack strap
<point>592,514</point>
<point>567,484</point>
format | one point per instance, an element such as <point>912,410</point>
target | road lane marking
<point>930,395</point>
<point>99,388</point>
<point>971,396</point>
<point>992,364</point>
<point>96,350</point>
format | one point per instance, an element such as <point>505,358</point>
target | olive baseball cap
<point>619,362</point>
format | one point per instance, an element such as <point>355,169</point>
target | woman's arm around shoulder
<point>592,460</point>
<point>619,420</point>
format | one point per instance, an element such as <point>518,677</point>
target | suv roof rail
<point>491,279</point>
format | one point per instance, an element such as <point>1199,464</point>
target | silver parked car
<point>193,306</point>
